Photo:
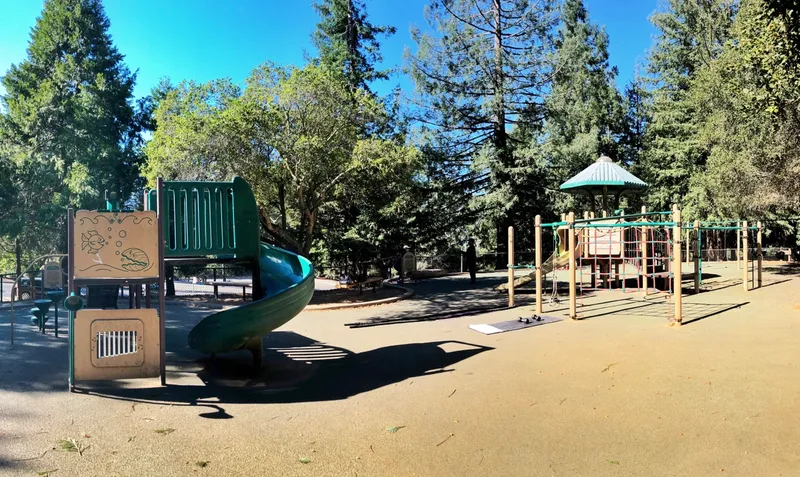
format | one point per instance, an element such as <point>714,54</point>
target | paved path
<point>619,393</point>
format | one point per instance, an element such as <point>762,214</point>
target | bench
<point>244,286</point>
<point>373,282</point>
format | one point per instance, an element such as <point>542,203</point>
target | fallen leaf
<point>46,473</point>
<point>304,460</point>
<point>72,445</point>
<point>394,429</point>
<point>202,463</point>
<point>164,431</point>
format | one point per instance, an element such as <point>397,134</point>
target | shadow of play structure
<point>302,370</point>
<point>197,223</point>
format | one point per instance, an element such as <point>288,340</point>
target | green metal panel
<point>226,216</point>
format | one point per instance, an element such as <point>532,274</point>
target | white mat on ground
<point>518,324</point>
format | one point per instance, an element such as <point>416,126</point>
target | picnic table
<point>373,282</point>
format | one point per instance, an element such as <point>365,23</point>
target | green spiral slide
<point>218,222</point>
<point>288,287</point>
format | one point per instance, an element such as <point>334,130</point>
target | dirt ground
<point>409,389</point>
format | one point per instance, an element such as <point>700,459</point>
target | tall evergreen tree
<point>70,125</point>
<point>691,34</point>
<point>483,70</point>
<point>348,42</point>
<point>584,113</point>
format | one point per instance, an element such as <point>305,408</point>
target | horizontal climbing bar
<point>626,216</point>
<point>726,228</point>
<point>628,224</point>
<point>727,221</point>
<point>555,224</point>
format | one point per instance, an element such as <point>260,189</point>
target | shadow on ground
<point>449,297</point>
<point>297,369</point>
<point>657,308</point>
<point>787,269</point>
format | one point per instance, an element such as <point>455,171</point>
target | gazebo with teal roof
<point>603,178</point>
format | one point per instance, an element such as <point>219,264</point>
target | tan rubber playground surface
<point>618,393</point>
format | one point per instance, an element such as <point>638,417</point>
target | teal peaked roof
<point>603,173</point>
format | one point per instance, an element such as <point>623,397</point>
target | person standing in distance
<point>472,260</point>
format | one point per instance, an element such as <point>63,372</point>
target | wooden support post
<point>759,253</point>
<point>738,247</point>
<point>676,266</point>
<point>511,267</point>
<point>585,238</point>
<point>688,244</point>
<point>162,280</point>
<point>573,308</point>
<point>745,258</point>
<point>644,254</point>
<point>537,231</point>
<point>697,256</point>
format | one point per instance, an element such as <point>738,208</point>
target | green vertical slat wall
<point>223,222</point>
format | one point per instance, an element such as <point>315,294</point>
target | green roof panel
<point>603,173</point>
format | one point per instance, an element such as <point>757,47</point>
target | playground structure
<point>606,247</point>
<point>184,223</point>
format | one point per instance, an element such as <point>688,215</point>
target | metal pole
<point>745,258</point>
<point>573,312</point>
<point>537,231</point>
<point>162,282</point>
<point>511,267</point>
<point>676,264</point>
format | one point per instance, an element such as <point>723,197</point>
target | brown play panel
<point>116,344</point>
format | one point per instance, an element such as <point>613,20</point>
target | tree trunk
<point>18,256</point>
<point>499,138</point>
<point>309,238</point>
<point>282,204</point>
<point>170,272</point>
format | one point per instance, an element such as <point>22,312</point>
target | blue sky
<point>206,39</point>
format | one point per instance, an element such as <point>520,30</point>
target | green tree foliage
<point>294,134</point>
<point>748,99</point>
<point>348,42</point>
<point>484,69</point>
<point>71,127</point>
<point>584,114</point>
<point>691,35</point>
